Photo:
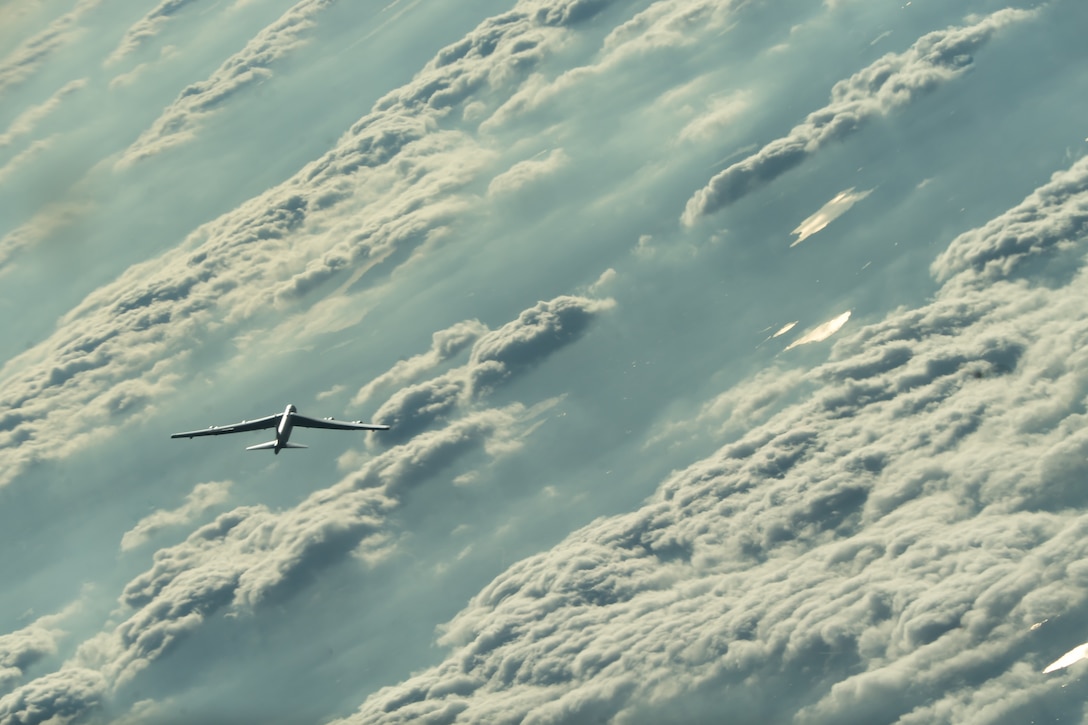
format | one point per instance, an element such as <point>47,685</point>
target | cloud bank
<point>494,358</point>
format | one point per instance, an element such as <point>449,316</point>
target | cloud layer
<point>904,541</point>
<point>884,525</point>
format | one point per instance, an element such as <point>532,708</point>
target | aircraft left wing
<point>269,421</point>
<point>304,422</point>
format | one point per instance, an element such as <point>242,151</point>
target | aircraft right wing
<point>303,422</point>
<point>269,421</point>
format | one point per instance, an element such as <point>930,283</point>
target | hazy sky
<point>733,353</point>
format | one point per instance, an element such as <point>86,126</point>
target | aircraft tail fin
<point>271,445</point>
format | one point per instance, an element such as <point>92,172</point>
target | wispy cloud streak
<point>203,497</point>
<point>890,83</point>
<point>180,121</point>
<point>22,62</point>
<point>26,121</point>
<point>147,27</point>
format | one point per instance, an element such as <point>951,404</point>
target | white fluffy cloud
<point>1051,220</point>
<point>24,647</point>
<point>495,357</point>
<point>58,697</point>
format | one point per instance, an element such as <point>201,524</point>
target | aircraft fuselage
<point>283,430</point>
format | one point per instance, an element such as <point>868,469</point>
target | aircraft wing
<point>304,422</point>
<point>269,421</point>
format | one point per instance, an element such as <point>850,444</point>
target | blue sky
<point>729,351</point>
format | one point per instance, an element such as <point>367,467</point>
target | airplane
<point>283,423</point>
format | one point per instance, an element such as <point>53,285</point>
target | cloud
<point>495,357</point>
<point>444,345</point>
<point>414,407</point>
<point>892,82</point>
<point>55,698</point>
<point>494,53</point>
<point>498,56</point>
<point>606,280</point>
<point>166,53</point>
<point>22,648</point>
<point>21,63</point>
<point>526,172</point>
<point>912,528</point>
<point>181,119</point>
<point>26,121</point>
<point>1050,221</point>
<point>26,647</point>
<point>334,392</point>
<point>146,27</point>
<point>133,335</point>
<point>536,333</point>
<point>720,114</point>
<point>736,410</point>
<point>50,218</point>
<point>670,23</point>
<point>569,12</point>
<point>665,24</point>
<point>757,565</point>
<point>9,171</point>
<point>203,497</point>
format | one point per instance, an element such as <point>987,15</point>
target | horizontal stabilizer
<point>272,444</point>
